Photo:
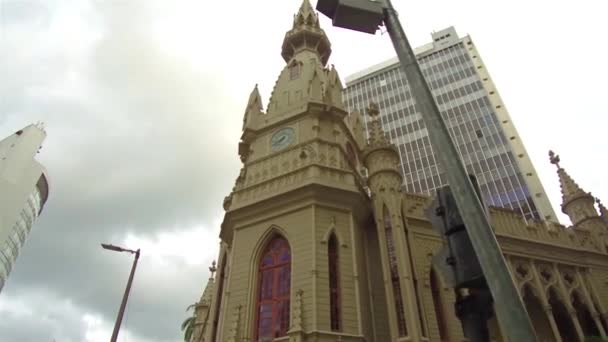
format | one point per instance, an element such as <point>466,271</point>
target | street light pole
<point>366,16</point>
<point>509,306</point>
<point>125,297</point>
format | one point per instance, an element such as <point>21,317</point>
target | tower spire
<point>306,34</point>
<point>254,108</point>
<point>570,190</point>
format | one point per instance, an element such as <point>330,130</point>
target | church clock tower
<point>300,257</point>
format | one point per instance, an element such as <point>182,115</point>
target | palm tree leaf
<point>188,333</point>
<point>187,323</point>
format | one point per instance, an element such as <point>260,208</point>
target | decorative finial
<point>603,210</point>
<point>212,269</point>
<point>554,158</point>
<point>373,109</point>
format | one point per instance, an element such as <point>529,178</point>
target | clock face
<point>283,138</point>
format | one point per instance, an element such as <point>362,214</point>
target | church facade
<point>320,243</point>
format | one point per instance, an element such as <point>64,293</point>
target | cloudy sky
<point>143,103</point>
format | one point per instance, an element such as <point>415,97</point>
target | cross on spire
<point>554,158</point>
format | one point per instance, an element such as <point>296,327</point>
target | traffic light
<point>457,260</point>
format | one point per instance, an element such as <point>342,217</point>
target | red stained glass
<point>267,261</point>
<point>274,291</point>
<point>283,281</point>
<point>267,283</point>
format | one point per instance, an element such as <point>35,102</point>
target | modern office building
<point>24,190</point>
<point>477,118</point>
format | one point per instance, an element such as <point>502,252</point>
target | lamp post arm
<point>509,306</point>
<point>125,297</point>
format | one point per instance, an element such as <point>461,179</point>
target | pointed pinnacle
<point>554,158</point>
<point>373,110</point>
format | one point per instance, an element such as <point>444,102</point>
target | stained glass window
<point>334,290</point>
<point>274,290</point>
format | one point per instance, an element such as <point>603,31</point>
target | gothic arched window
<point>274,289</point>
<point>392,263</point>
<point>334,287</point>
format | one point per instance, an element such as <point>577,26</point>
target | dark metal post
<point>509,306</point>
<point>474,310</point>
<point>125,297</point>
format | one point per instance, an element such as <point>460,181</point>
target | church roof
<point>207,293</point>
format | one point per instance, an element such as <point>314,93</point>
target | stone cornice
<point>294,199</point>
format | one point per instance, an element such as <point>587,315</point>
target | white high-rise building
<point>24,190</point>
<point>477,119</point>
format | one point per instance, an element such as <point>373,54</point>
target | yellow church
<point>320,243</point>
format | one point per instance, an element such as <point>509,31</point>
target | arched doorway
<point>561,316</point>
<point>584,316</point>
<point>537,314</point>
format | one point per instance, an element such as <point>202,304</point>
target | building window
<point>274,290</point>
<point>294,71</point>
<point>479,133</point>
<point>512,138</point>
<point>392,263</point>
<point>334,276</point>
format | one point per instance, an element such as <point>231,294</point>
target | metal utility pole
<point>363,16</point>
<point>125,297</point>
<point>509,307</point>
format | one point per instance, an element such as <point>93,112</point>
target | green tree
<point>188,324</point>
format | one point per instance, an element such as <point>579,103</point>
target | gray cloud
<point>142,139</point>
<point>134,147</point>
